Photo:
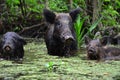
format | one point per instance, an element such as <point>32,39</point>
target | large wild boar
<point>98,50</point>
<point>12,46</point>
<point>60,36</point>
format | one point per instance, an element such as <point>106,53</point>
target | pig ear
<point>114,28</point>
<point>103,40</point>
<point>87,40</point>
<point>22,41</point>
<point>49,16</point>
<point>74,13</point>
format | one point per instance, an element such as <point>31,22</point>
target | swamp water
<point>38,65</point>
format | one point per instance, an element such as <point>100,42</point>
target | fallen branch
<point>32,27</point>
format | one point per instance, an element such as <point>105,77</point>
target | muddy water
<point>38,65</point>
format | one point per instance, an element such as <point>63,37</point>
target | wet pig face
<point>63,28</point>
<point>8,46</point>
<point>93,47</point>
<point>60,36</point>
<point>12,46</point>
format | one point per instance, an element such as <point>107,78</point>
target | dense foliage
<point>15,10</point>
<point>111,12</point>
<point>18,14</point>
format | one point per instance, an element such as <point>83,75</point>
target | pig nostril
<point>91,51</point>
<point>7,48</point>
<point>69,41</point>
<point>69,38</point>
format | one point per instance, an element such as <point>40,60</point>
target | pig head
<point>98,50</point>
<point>12,45</point>
<point>60,37</point>
<point>95,50</point>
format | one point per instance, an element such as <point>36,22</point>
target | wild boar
<point>111,34</point>
<point>60,37</point>
<point>12,46</point>
<point>98,50</point>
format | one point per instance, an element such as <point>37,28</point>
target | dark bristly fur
<point>111,35</point>
<point>60,36</point>
<point>12,46</point>
<point>98,50</point>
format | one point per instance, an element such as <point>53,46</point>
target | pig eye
<point>58,23</point>
<point>98,45</point>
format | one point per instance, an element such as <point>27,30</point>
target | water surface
<point>38,65</point>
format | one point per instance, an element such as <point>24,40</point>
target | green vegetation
<point>16,15</point>
<point>110,11</point>
<point>80,29</point>
<point>14,9</point>
<point>22,13</point>
<point>93,26</point>
<point>38,65</point>
<point>58,5</point>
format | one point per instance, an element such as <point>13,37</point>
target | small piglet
<point>60,37</point>
<point>98,50</point>
<point>12,46</point>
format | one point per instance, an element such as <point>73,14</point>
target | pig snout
<point>7,48</point>
<point>67,40</point>
<point>91,50</point>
